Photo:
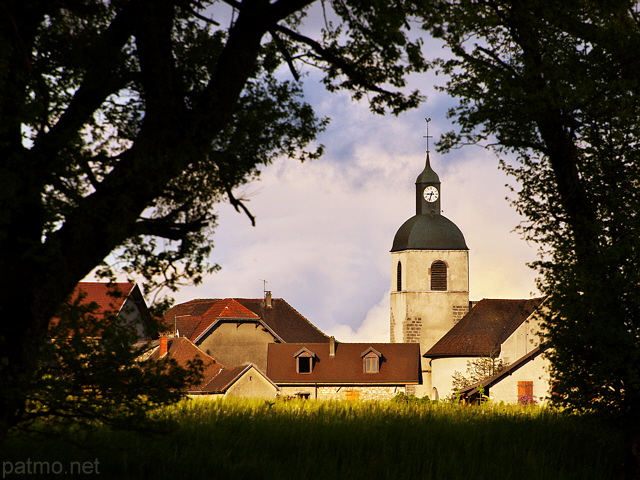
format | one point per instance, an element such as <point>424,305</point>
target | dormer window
<point>304,361</point>
<point>371,360</point>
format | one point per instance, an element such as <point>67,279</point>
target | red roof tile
<point>105,299</point>
<point>217,378</point>
<point>109,297</point>
<point>195,317</point>
<point>182,351</point>
<point>481,332</point>
<point>400,364</point>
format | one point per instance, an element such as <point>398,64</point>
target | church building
<point>430,306</point>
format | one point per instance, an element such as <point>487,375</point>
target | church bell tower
<point>430,273</point>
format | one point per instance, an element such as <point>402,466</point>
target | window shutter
<point>525,389</point>
<point>439,275</point>
<point>352,395</point>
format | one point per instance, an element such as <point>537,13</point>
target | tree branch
<point>161,227</point>
<point>237,204</point>
<point>345,66</point>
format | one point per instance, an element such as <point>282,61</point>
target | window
<point>304,360</point>
<point>371,360</point>
<point>371,364</point>
<point>439,276</point>
<point>304,364</point>
<point>399,277</point>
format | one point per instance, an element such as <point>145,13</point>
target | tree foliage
<point>555,85</point>
<point>478,369</point>
<point>92,370</point>
<point>123,123</point>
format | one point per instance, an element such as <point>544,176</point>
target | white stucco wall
<point>237,343</point>
<point>536,371</point>
<point>442,370</point>
<point>252,384</point>
<point>524,339</point>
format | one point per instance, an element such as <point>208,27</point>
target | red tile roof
<point>482,331</point>
<point>183,351</point>
<point>400,364</point>
<point>195,317</point>
<point>225,378</point>
<point>106,299</point>
<point>286,321</point>
<point>217,378</point>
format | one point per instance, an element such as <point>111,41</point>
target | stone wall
<point>392,329</point>
<point>412,330</point>
<point>351,392</point>
<point>459,312</point>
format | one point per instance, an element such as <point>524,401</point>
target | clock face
<point>430,193</point>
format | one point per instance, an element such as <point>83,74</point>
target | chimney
<point>164,345</point>
<point>332,346</point>
<point>267,299</point>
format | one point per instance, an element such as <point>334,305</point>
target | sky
<point>324,228</point>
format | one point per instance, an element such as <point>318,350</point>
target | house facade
<point>344,371</point>
<point>232,332</point>
<point>218,380</point>
<point>506,330</point>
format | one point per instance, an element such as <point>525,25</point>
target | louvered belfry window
<point>399,277</point>
<point>439,275</point>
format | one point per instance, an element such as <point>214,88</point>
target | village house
<point>122,301</point>
<point>507,330</point>
<point>238,330</point>
<point>218,380</point>
<point>344,371</point>
<point>434,328</point>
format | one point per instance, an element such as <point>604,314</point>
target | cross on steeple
<point>427,136</point>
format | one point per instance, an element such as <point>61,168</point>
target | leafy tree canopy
<point>123,122</point>
<point>555,85</point>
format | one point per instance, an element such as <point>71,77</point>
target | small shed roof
<point>473,390</point>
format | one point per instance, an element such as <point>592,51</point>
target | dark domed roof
<point>428,232</point>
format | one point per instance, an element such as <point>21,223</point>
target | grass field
<point>326,440</point>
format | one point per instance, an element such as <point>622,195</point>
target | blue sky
<point>324,228</point>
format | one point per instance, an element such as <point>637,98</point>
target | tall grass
<point>228,439</point>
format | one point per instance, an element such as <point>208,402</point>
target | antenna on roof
<point>266,294</point>
<point>427,136</point>
<point>175,324</point>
